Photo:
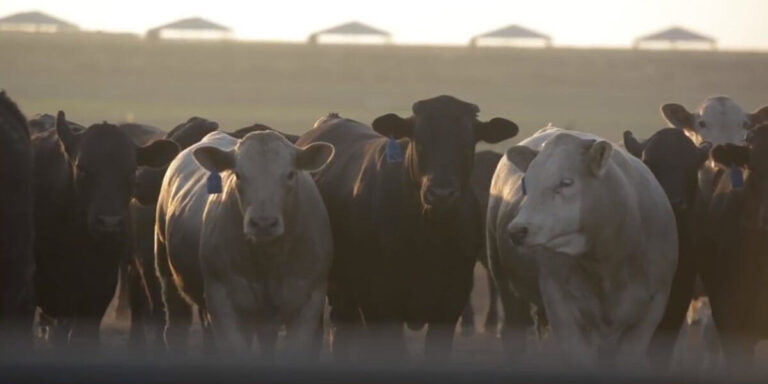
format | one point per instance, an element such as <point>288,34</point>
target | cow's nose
<point>265,222</point>
<point>107,223</point>
<point>518,233</point>
<point>441,194</point>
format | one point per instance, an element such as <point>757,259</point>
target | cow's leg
<point>516,309</point>
<point>305,331</point>
<point>139,305</point>
<point>209,343</point>
<point>570,337</point>
<point>633,350</point>
<point>468,320</point>
<point>665,336</point>
<point>492,317</point>
<point>123,307</point>
<point>267,333</point>
<point>154,314</point>
<point>232,334</point>
<point>178,312</point>
<point>92,305</point>
<point>346,326</point>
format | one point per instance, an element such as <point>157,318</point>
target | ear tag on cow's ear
<point>394,152</point>
<point>525,190</point>
<point>213,183</point>
<point>737,177</point>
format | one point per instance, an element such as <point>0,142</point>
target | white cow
<point>582,230</point>
<point>252,257</point>
<point>718,120</point>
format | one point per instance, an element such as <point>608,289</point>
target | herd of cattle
<point>602,243</point>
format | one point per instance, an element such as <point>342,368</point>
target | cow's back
<point>341,182</point>
<point>180,209</point>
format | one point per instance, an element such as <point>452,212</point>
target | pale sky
<point>736,24</point>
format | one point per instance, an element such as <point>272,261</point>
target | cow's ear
<point>598,156</point>
<point>496,130</point>
<point>704,149</point>
<point>678,116</point>
<point>314,156</point>
<point>633,146</point>
<point>729,155</point>
<point>521,156</point>
<point>157,154</point>
<point>760,116</point>
<point>214,159</point>
<point>70,140</point>
<point>393,126</point>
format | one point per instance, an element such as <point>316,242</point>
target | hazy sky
<point>737,24</point>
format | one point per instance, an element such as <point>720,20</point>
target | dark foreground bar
<point>155,369</point>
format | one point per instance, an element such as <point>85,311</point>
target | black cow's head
<point>149,180</point>
<point>753,157</point>
<point>104,161</point>
<point>675,161</point>
<point>443,132</point>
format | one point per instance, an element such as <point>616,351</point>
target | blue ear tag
<point>525,191</point>
<point>213,183</point>
<point>737,177</point>
<point>394,152</point>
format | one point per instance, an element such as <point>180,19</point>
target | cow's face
<point>443,132</point>
<point>104,162</point>
<point>754,158</point>
<point>561,182</point>
<point>264,176</point>
<point>719,120</point>
<point>675,162</point>
<point>149,180</point>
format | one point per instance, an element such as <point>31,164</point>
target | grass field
<point>117,78</point>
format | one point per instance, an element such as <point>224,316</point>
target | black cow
<point>83,184</point>
<point>143,284</point>
<point>406,225</point>
<point>735,246</point>
<point>482,174</point>
<point>16,213</point>
<point>675,161</point>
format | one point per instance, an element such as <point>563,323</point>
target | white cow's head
<point>719,120</point>
<point>264,171</point>
<point>561,182</point>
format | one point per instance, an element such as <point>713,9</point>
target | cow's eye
<point>702,124</point>
<point>565,183</point>
<point>291,175</point>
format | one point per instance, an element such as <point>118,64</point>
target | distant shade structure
<point>194,28</point>
<point>351,33</point>
<point>36,22</point>
<point>675,38</point>
<point>512,36</point>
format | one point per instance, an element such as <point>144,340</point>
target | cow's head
<point>753,158</point>
<point>561,182</point>
<point>719,120</point>
<point>443,132</point>
<point>264,173</point>
<point>148,179</point>
<point>675,161</point>
<point>104,162</point>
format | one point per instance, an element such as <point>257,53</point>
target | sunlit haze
<point>736,24</point>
